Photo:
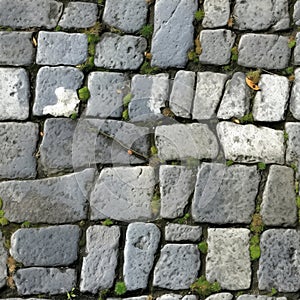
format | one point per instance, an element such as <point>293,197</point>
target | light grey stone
<point>261,15</point>
<point>120,52</point>
<point>142,240</point>
<point>190,297</point>
<point>220,296</point>
<point>79,15</point>
<point>30,13</point>
<point>216,13</point>
<point>182,95</point>
<point>60,48</point>
<point>236,99</point>
<point>182,141</point>
<point>216,46</point>
<point>259,297</point>
<point>170,297</point>
<point>296,14</point>
<point>98,269</point>
<point>56,91</point>
<point>23,298</point>
<point>271,101</point>
<point>225,194</point>
<point>16,48</point>
<point>123,194</point>
<point>129,16</point>
<point>130,298</point>
<point>228,259</point>
<point>14,94</point>
<point>278,207</point>
<point>295,96</point>
<point>18,144</point>
<point>251,144</point>
<point>150,93</point>
<point>279,266</point>
<point>173,32</point>
<point>177,267</point>
<point>107,91</point>
<point>3,259</point>
<point>269,51</point>
<point>176,186</point>
<point>178,233</point>
<point>52,200</point>
<point>32,281</point>
<point>48,246</point>
<point>293,144</point>
<point>297,50</point>
<point>209,90</point>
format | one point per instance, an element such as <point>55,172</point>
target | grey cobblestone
<point>3,258</point>
<point>216,13</point>
<point>220,296</point>
<point>259,297</point>
<point>293,143</point>
<point>296,13</point>
<point>178,233</point>
<point>294,100</point>
<point>297,50</point>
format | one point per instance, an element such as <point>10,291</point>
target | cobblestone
<point>296,14</point>
<point>216,13</point>
<point>293,143</point>
<point>297,50</point>
<point>220,296</point>
<point>294,100</point>
<point>178,233</point>
<point>262,297</point>
<point>3,258</point>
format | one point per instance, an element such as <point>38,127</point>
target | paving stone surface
<point>216,13</point>
<point>293,143</point>
<point>228,259</point>
<point>220,296</point>
<point>296,13</point>
<point>140,247</point>
<point>262,297</point>
<point>178,233</point>
<point>3,258</point>
<point>297,50</point>
<point>279,260</point>
<point>294,100</point>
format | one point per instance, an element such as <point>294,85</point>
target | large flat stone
<point>225,194</point>
<point>279,260</point>
<point>98,268</point>
<point>48,246</point>
<point>228,259</point>
<point>52,200</point>
<point>216,13</point>
<point>18,144</point>
<point>178,233</point>
<point>269,51</point>
<point>296,14</point>
<point>177,267</point>
<point>173,32</point>
<point>251,144</point>
<point>3,259</point>
<point>220,296</point>
<point>142,240</point>
<point>293,143</point>
<point>295,96</point>
<point>259,297</point>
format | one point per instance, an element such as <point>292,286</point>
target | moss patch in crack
<point>205,288</point>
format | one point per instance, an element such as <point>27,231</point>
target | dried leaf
<point>34,42</point>
<point>148,55</point>
<point>130,152</point>
<point>198,48</point>
<point>10,282</point>
<point>252,85</point>
<point>230,22</point>
<point>12,264</point>
<point>235,120</point>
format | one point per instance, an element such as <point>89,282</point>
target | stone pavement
<point>150,149</point>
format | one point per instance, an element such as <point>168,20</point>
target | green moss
<point>125,115</point>
<point>127,99</point>
<point>234,54</point>
<point>120,288</point>
<point>294,167</point>
<point>254,247</point>
<point>261,166</point>
<point>193,56</point>
<point>1,203</point>
<point>273,292</point>
<point>84,93</point>
<point>71,294</point>
<point>57,28</point>
<point>257,225</point>
<point>147,69</point>
<point>203,247</point>
<point>254,76</point>
<point>102,294</point>
<point>26,224</point>
<point>227,68</point>
<point>247,119</point>
<point>205,288</point>
<point>288,71</point>
<point>4,221</point>
<point>285,136</point>
<point>184,219</point>
<point>107,222</point>
<point>229,162</point>
<point>74,116</point>
<point>153,150</point>
<point>88,65</point>
<point>199,15</point>
<point>291,43</point>
<point>147,31</point>
<point>298,201</point>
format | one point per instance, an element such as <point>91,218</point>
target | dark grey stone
<point>220,296</point>
<point>33,281</point>
<point>52,200</point>
<point>142,240</point>
<point>228,259</point>
<point>3,259</point>
<point>49,246</point>
<point>297,50</point>
<point>60,48</point>
<point>216,13</point>
<point>178,233</point>
<point>18,144</point>
<point>120,52</point>
<point>296,14</point>
<point>98,269</point>
<point>216,46</point>
<point>16,48</point>
<point>177,267</point>
<point>56,91</point>
<point>225,194</point>
<point>269,51</point>
<point>173,32</point>
<point>279,260</point>
<point>293,144</point>
<point>30,13</point>
<point>295,96</point>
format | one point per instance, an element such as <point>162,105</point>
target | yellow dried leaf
<point>148,55</point>
<point>34,41</point>
<point>252,85</point>
<point>230,22</point>
<point>11,263</point>
<point>10,282</point>
<point>198,48</point>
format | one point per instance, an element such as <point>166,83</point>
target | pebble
<point>295,96</point>
<point>179,233</point>
<point>216,13</point>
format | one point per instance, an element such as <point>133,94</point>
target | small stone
<point>228,259</point>
<point>216,46</point>
<point>216,13</point>
<point>129,16</point>
<point>51,200</point>
<point>16,48</point>
<point>56,91</point>
<point>99,265</point>
<point>269,51</point>
<point>60,48</point>
<point>251,144</point>
<point>236,99</point>
<point>279,260</point>
<point>296,14</point>
<point>14,94</point>
<point>176,186</point>
<point>261,15</point>
<point>293,143</point>
<point>123,194</point>
<point>178,233</point>
<point>33,281</point>
<point>173,32</point>
<point>209,90</point>
<point>120,52</point>
<point>295,96</point>
<point>130,298</point>
<point>79,15</point>
<point>169,297</point>
<point>30,13</point>
<point>18,144</point>
<point>297,50</point>
<point>3,259</point>
<point>182,95</point>
<point>142,240</point>
<point>271,101</point>
<point>183,141</point>
<point>259,297</point>
<point>225,194</point>
<point>220,296</point>
<point>49,246</point>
